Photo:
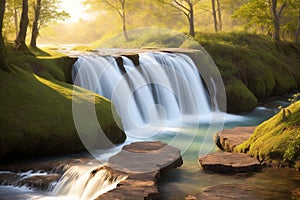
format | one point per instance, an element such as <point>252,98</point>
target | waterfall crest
<point>164,89</point>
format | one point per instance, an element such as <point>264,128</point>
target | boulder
<point>229,163</point>
<point>228,139</point>
<point>142,162</point>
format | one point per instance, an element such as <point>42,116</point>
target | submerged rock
<point>228,139</point>
<point>237,192</point>
<point>229,163</point>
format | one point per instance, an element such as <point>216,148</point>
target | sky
<point>75,9</point>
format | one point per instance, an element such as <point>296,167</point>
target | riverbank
<point>36,107</point>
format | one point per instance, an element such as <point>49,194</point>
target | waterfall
<point>86,182</point>
<point>166,88</point>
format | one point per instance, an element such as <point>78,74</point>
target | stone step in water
<point>225,162</point>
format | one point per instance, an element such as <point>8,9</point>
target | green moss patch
<point>278,139</point>
<point>36,114</point>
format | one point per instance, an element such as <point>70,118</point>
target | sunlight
<point>75,9</point>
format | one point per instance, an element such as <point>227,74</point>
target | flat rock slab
<point>142,162</point>
<point>228,139</point>
<point>225,162</point>
<point>238,192</point>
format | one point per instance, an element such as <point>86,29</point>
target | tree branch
<point>181,5</point>
<point>114,7</point>
<point>281,8</point>
<point>174,6</point>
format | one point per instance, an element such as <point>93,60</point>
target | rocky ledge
<point>228,139</point>
<point>142,162</point>
<point>225,162</point>
<point>239,191</point>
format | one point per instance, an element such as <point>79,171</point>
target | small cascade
<point>164,89</point>
<point>86,182</point>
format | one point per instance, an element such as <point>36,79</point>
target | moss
<point>276,140</point>
<point>266,68</point>
<point>36,113</point>
<point>239,97</point>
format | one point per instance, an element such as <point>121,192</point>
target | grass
<point>36,113</point>
<point>277,140</point>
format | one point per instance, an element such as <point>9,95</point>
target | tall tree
<point>35,29</point>
<point>214,13</point>
<point>187,8</point>
<point>276,13</point>
<point>117,5</point>
<point>219,15</point>
<point>20,42</point>
<point>296,39</point>
<point>3,54</point>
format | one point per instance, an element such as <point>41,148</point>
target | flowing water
<point>162,99</point>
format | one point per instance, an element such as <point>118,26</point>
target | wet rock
<point>39,182</point>
<point>229,163</point>
<point>143,162</point>
<point>237,192</point>
<point>228,139</point>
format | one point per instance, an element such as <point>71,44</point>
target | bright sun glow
<point>75,9</point>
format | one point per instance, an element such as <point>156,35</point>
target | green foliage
<point>265,68</point>
<point>292,153</point>
<point>277,140</point>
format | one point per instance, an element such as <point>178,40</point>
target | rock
<point>229,163</point>
<point>228,139</point>
<point>41,182</point>
<point>237,192</point>
<point>143,162</point>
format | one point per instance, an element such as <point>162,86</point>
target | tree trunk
<point>124,21</point>
<point>213,6</point>
<point>35,29</point>
<point>21,39</point>
<point>3,54</point>
<point>276,19</point>
<point>220,16</point>
<point>191,20</point>
<point>16,20</point>
<point>296,40</point>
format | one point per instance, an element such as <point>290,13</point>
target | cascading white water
<point>163,89</point>
<point>86,183</point>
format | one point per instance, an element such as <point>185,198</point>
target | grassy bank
<point>277,140</point>
<point>253,67</point>
<point>36,113</point>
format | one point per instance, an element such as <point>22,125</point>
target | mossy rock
<point>239,97</point>
<point>36,115</point>
<point>277,140</point>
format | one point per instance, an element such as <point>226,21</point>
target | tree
<point>117,5</point>
<point>219,15</point>
<point>46,12</point>
<point>276,16</point>
<point>214,13</point>
<point>255,13</point>
<point>20,41</point>
<point>187,8</point>
<point>3,54</point>
<point>35,29</point>
<point>296,39</point>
